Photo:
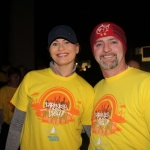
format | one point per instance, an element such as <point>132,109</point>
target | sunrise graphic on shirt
<point>56,106</point>
<point>107,115</point>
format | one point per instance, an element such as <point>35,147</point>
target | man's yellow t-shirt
<point>121,114</point>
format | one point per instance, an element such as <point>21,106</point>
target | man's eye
<point>98,45</point>
<point>114,42</point>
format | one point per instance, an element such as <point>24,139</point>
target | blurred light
<point>83,65</point>
<point>84,69</point>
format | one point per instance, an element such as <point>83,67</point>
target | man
<point>121,113</point>
<point>134,64</point>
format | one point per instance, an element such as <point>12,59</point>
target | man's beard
<point>109,64</point>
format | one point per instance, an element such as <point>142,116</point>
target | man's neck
<point>112,72</point>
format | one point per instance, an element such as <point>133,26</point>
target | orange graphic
<point>106,116</point>
<point>56,106</point>
<point>36,93</point>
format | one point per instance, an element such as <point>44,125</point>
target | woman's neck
<point>65,70</point>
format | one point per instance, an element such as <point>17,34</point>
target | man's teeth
<point>108,56</point>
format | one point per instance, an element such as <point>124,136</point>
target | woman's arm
<point>13,138</point>
<point>87,129</point>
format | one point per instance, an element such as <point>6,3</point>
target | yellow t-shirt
<point>121,114</point>
<point>6,93</point>
<point>56,108</point>
<point>3,77</point>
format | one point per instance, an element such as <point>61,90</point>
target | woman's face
<point>63,52</point>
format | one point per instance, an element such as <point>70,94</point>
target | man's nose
<point>107,47</point>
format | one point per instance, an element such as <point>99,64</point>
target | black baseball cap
<point>62,31</point>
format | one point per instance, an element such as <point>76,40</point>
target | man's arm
<point>13,139</point>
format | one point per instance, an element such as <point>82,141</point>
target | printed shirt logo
<point>99,143</point>
<point>106,116</point>
<point>53,131</point>
<point>56,106</point>
<point>102,29</point>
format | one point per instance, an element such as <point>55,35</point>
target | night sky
<point>84,16</point>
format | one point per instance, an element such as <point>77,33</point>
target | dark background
<point>82,16</point>
<point>133,17</point>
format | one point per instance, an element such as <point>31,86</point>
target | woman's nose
<point>61,47</point>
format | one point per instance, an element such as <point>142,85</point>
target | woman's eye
<point>67,42</point>
<point>55,44</point>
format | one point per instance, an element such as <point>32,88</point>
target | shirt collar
<point>55,69</point>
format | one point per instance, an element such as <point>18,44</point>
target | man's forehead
<point>108,38</point>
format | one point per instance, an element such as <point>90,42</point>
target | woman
<point>52,104</point>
